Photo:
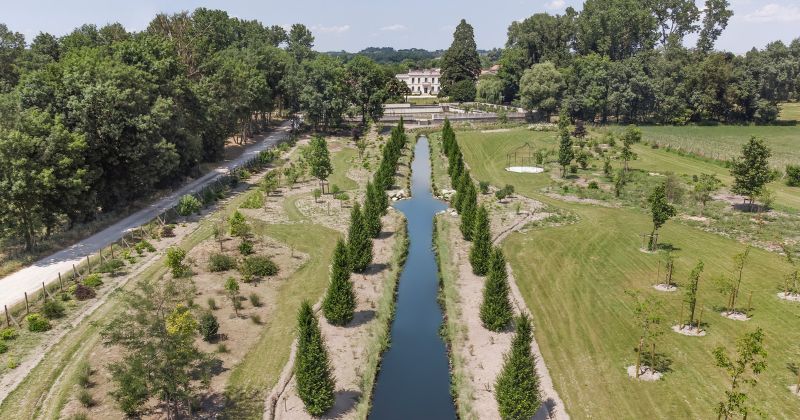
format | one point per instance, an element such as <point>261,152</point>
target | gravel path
<point>29,279</point>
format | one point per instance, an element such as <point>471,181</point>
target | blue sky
<point>355,24</point>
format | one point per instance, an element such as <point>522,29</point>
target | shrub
<point>85,398</point>
<point>253,201</point>
<point>175,257</point>
<point>483,186</point>
<point>12,362</point>
<point>3,347</point>
<point>167,231</point>
<point>93,280</point>
<point>188,205</point>
<point>573,169</point>
<point>8,334</point>
<point>82,292</point>
<point>593,185</point>
<point>53,309</point>
<point>256,319</point>
<point>245,247</point>
<point>255,300</point>
<point>257,266</point>
<point>111,266</point>
<point>220,262</point>
<point>37,323</point>
<point>144,246</point>
<point>84,374</point>
<point>79,416</point>
<point>212,304</point>
<point>238,224</point>
<point>500,194</point>
<point>222,348</point>
<point>244,174</point>
<point>793,175</point>
<point>208,326</point>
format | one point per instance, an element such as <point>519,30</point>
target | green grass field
<point>790,111</point>
<point>725,141</point>
<point>573,279</point>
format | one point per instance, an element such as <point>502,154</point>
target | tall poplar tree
<point>461,61</point>
<point>312,367</point>
<point>340,301</point>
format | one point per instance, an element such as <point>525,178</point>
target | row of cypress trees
<point>315,384</point>
<point>517,387</point>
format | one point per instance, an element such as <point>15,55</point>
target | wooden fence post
<point>60,283</point>
<point>44,293</point>
<point>27,308</point>
<point>75,271</point>
<point>112,250</point>
<point>88,263</point>
<point>8,320</point>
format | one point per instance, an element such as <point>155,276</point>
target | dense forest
<point>628,61</point>
<point>95,119</point>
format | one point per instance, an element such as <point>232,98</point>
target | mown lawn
<point>724,142</point>
<point>260,369</point>
<point>573,279</point>
<point>790,111</point>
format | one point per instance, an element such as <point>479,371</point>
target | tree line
<point>315,382</point>
<point>626,61</point>
<point>516,388</point>
<point>98,118</point>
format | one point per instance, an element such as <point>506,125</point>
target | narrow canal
<point>414,380</point>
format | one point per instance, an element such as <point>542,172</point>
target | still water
<point>414,380</point>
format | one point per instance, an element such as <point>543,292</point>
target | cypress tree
<point>461,184</point>
<point>481,242</point>
<point>340,301</point>
<point>359,245</point>
<point>496,311</point>
<point>468,209</point>
<point>315,384</point>
<point>373,211</point>
<point>517,387</point>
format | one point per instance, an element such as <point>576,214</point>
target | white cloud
<point>774,12</point>
<point>394,28</point>
<point>335,29</point>
<point>556,4</point>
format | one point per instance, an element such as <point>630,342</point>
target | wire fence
<point>132,239</point>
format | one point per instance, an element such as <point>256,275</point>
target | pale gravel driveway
<point>29,279</point>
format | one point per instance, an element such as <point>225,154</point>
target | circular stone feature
<point>665,287</point>
<point>645,373</point>
<point>688,330</point>
<point>789,296</point>
<point>525,169</point>
<point>735,315</point>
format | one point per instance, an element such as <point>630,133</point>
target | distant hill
<point>388,55</point>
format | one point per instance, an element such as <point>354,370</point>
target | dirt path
<point>13,286</point>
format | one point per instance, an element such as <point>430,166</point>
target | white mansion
<point>421,82</point>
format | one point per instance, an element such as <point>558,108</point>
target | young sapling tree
<point>661,211</point>
<point>749,362</point>
<point>690,297</point>
<point>647,315</point>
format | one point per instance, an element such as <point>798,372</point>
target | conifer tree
<point>359,245</point>
<point>565,152</point>
<point>517,387</point>
<point>468,210</point>
<point>461,184</point>
<point>481,243</point>
<point>340,301</point>
<point>312,367</point>
<point>496,310</point>
<point>373,211</point>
